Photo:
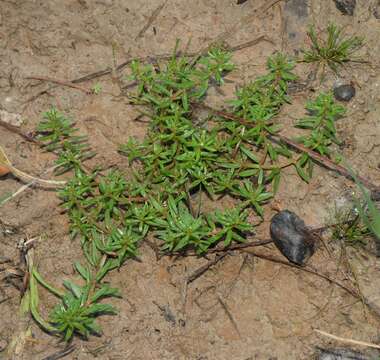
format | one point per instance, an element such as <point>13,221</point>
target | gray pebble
<point>344,92</point>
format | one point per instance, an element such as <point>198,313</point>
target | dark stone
<point>346,7</point>
<point>292,237</point>
<point>344,92</point>
<point>239,2</point>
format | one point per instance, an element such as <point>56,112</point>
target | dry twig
<point>151,19</point>
<point>17,131</point>
<point>348,341</point>
<point>61,82</point>
<point>228,312</point>
<point>200,271</point>
<point>309,270</point>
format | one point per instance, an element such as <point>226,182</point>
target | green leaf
<point>249,154</point>
<point>85,273</point>
<point>75,289</point>
<point>105,291</point>
<point>302,173</point>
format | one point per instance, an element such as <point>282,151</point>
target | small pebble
<point>344,92</point>
<point>239,2</point>
<point>292,237</point>
<point>346,7</point>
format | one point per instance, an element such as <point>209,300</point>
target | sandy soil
<point>243,308</point>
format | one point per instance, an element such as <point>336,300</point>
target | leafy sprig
<point>323,112</point>
<point>58,134</point>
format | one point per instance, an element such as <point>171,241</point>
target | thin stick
<point>243,246</point>
<point>24,187</point>
<point>326,162</point>
<point>61,354</point>
<point>151,19</point>
<point>268,6</point>
<point>223,249</point>
<point>29,178</point>
<point>17,131</point>
<point>228,312</point>
<point>200,271</point>
<point>5,162</point>
<point>352,292</point>
<point>61,82</point>
<point>155,58</point>
<point>247,19</point>
<point>250,43</point>
<point>306,269</point>
<point>348,341</point>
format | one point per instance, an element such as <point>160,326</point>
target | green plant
<point>97,89</point>
<point>323,112</point>
<point>334,51</point>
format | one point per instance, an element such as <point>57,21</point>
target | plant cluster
<point>333,51</point>
<point>180,159</point>
<point>177,159</point>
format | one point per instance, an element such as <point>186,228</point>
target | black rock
<point>344,92</point>
<point>292,237</point>
<point>346,7</point>
<point>239,2</point>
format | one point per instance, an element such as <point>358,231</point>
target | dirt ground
<point>244,307</point>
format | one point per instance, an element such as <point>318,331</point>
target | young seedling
<point>96,89</point>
